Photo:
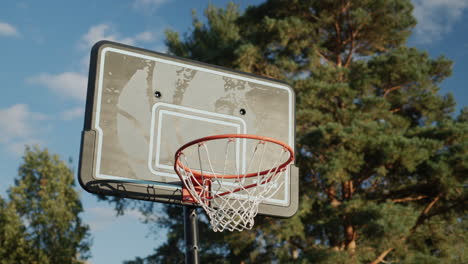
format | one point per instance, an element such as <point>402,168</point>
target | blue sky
<point>44,54</point>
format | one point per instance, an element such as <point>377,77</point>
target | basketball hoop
<point>231,188</point>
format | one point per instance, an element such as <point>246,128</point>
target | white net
<point>234,180</point>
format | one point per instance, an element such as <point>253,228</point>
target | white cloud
<point>18,147</point>
<point>100,217</point>
<point>148,6</point>
<point>67,84</point>
<point>146,36</point>
<point>103,217</point>
<point>103,32</point>
<point>84,63</point>
<point>109,32</point>
<point>19,127</point>
<point>8,30</point>
<point>436,18</point>
<point>161,48</point>
<point>73,113</point>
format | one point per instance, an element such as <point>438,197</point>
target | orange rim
<point>198,174</point>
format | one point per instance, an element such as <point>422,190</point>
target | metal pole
<point>191,235</point>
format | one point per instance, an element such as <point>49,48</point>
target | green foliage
<point>14,245</point>
<point>220,36</point>
<point>41,223</point>
<point>383,161</point>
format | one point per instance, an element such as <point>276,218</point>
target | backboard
<point>142,106</point>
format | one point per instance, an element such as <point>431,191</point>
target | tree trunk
<point>350,233</point>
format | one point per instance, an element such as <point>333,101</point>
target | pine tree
<point>45,200</point>
<point>383,160</point>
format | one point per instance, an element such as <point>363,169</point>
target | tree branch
<point>407,199</point>
<point>422,217</point>
<point>339,43</point>
<point>350,54</point>
<point>387,91</point>
<point>346,7</point>
<point>323,56</point>
<point>381,257</point>
<point>294,243</point>
<point>366,174</point>
<point>351,49</point>
<point>331,193</point>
